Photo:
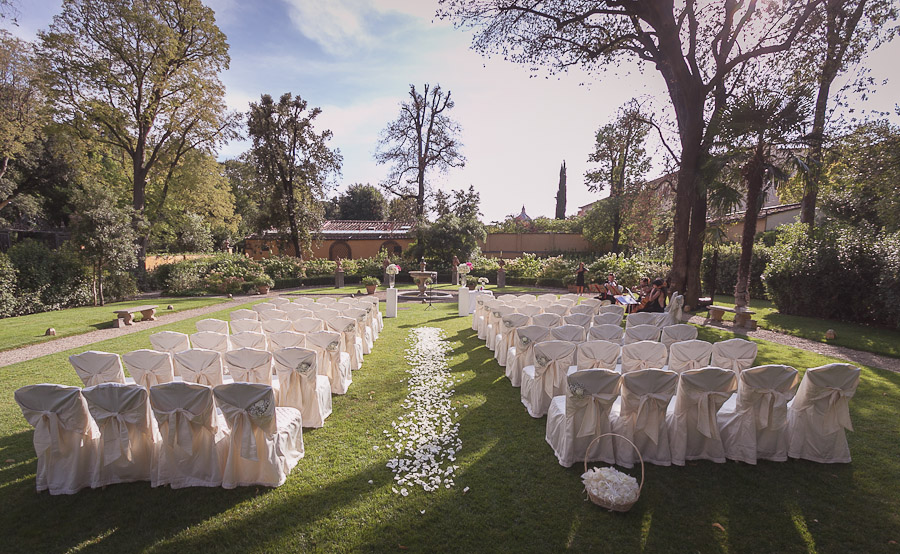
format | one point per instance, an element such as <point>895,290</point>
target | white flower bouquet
<point>482,281</point>
<point>609,487</point>
<point>464,268</point>
<point>392,269</point>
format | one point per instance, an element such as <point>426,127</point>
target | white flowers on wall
<point>425,439</point>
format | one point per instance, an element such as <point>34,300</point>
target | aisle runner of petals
<point>425,439</point>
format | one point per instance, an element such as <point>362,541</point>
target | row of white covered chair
<point>177,434</point>
<point>696,415</point>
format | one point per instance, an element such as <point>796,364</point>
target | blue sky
<point>356,59</point>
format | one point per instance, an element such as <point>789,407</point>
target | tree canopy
<point>363,202</point>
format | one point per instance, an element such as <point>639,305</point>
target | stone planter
<point>370,289</point>
<point>262,289</point>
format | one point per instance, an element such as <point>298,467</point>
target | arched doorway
<point>339,249</point>
<point>392,248</point>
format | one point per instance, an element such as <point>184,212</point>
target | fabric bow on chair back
<point>350,342</point>
<point>643,355</point>
<point>689,354</point>
<point>200,366</point>
<point>546,320</point>
<point>734,354</point>
<point>95,367</point>
<point>694,433</point>
<point>209,340</point>
<point>525,339</point>
<point>505,340</point>
<point>495,323</point>
<point>249,409</point>
<point>756,428</point>
<point>66,439</point>
<point>297,371</point>
<point>214,325</point>
<point>547,377</point>
<point>193,436</point>
<point>606,331</point>
<point>285,339</point>
<point>149,367</point>
<point>250,365</point>
<point>595,354</point>
<point>250,339</point>
<point>645,397</point>
<point>243,314</point>
<point>245,325</point>
<point>820,414</point>
<point>680,332</point>
<point>364,329</point>
<point>331,361</point>
<point>128,434</point>
<point>568,332</point>
<point>170,341</point>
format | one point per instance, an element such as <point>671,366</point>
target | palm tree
<point>758,130</point>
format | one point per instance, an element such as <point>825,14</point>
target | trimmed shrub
<point>282,267</point>
<point>727,267</point>
<point>8,280</point>
<point>47,279</point>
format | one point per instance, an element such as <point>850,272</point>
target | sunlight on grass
<point>800,524</point>
<point>93,541</point>
<point>646,522</point>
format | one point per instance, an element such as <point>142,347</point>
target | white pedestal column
<point>463,301</point>
<point>391,303</point>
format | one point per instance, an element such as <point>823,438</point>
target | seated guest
<point>609,289</point>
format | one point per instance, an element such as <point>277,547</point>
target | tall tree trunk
<point>753,173</point>
<point>617,223</point>
<point>292,217</point>
<point>139,203</point>
<point>695,246</point>
<point>100,282</point>
<point>420,197</point>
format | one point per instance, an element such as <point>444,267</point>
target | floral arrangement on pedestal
<point>391,270</point>
<point>482,281</point>
<point>463,270</point>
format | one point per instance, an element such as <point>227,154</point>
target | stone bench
<point>126,316</point>
<point>743,317</point>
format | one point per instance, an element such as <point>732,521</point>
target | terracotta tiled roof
<point>347,228</point>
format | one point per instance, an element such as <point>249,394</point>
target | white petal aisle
<point>425,439</point>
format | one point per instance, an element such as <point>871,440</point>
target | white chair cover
<point>304,300</point>
<point>208,340</point>
<point>507,297</point>
<point>558,308</point>
<point>820,413</point>
<point>363,331</point>
<point>570,333</point>
<point>607,331</point>
<point>66,439</point>
<point>508,325</point>
<point>637,333</point>
<point>170,341</point>
<point>483,311</point>
<point>593,303</point>
<point>574,419</point>
<point>548,297</point>
<point>608,319</point>
<point>277,325</point>
<point>245,325</point>
<point>641,318</point>
<point>200,366</point>
<point>243,314</point>
<point>95,367</point>
<point>642,416</point>
<point>371,321</point>
<point>249,365</point>
<point>193,449</point>
<point>547,320</point>
<point>494,324</point>
<point>678,333</point>
<point>265,442</point>
<point>531,310</point>
<point>527,297</point>
<point>272,314</point>
<point>543,302</point>
<point>341,305</point>
<point>613,309</point>
<point>290,308</point>
<point>587,309</point>
<point>308,325</point>
<point>694,427</point>
<point>583,320</point>
<point>595,354</point>
<point>350,341</point>
<point>331,362</point>
<point>285,339</point>
<point>297,312</point>
<point>735,354</point>
<point>673,312</point>
<point>326,300</point>
<point>280,301</point>
<point>263,306</point>
<point>525,339</point>
<point>326,313</point>
<point>129,439</point>
<point>568,300</point>
<point>301,387</point>
<point>643,355</point>
<point>755,426</point>
<point>250,339</point>
<point>149,367</point>
<point>547,377</point>
<point>689,354</point>
<point>214,325</point>
<point>376,312</point>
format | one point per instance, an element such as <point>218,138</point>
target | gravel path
<point>33,351</point>
<point>853,356</point>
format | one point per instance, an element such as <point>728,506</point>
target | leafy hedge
<point>727,267</point>
<point>837,272</point>
<point>36,279</point>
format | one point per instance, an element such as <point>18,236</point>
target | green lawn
<point>519,498</point>
<point>879,340</point>
<point>29,329</point>
<point>353,289</point>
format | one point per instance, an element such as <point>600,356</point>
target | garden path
<point>33,351</point>
<point>858,357</point>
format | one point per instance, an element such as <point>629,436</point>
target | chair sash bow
<point>706,412</point>
<point>772,410</point>
<point>46,433</point>
<point>838,414</point>
<point>595,407</point>
<point>179,435</point>
<point>114,428</point>
<point>648,413</point>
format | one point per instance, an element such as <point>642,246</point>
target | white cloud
<point>336,25</point>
